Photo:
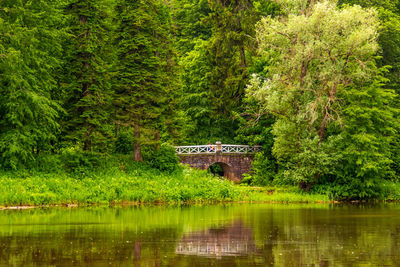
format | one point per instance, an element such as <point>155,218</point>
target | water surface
<point>221,235</point>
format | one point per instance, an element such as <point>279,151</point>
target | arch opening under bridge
<point>221,169</point>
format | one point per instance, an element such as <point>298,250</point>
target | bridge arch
<point>226,168</point>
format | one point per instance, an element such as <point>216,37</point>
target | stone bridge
<point>235,160</point>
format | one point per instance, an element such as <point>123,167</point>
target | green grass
<point>391,191</point>
<point>119,180</point>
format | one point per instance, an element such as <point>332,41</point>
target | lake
<point>215,235</point>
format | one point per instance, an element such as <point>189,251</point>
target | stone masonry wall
<point>234,165</point>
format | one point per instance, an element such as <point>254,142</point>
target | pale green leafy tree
<point>319,54</point>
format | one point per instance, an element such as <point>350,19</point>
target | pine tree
<point>389,35</point>
<point>188,23</point>
<point>143,84</point>
<point>229,50</point>
<point>215,70</point>
<point>88,89</point>
<point>30,50</point>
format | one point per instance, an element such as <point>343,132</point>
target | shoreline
<point>192,203</point>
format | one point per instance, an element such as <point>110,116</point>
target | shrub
<point>45,162</point>
<point>165,159</point>
<point>124,144</point>
<point>263,170</point>
<point>80,162</point>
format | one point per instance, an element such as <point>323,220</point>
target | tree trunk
<point>243,57</point>
<point>137,151</point>
<point>331,99</point>
<point>87,143</point>
<point>305,186</point>
<point>157,138</point>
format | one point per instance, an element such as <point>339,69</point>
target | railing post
<point>218,146</point>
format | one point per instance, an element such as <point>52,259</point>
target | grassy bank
<point>118,180</point>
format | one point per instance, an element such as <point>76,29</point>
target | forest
<point>88,83</point>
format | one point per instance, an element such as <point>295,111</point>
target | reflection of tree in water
<point>86,248</point>
<point>232,240</point>
<point>272,236</point>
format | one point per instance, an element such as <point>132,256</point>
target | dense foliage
<point>315,83</point>
<point>30,50</point>
<point>87,179</point>
<point>335,120</point>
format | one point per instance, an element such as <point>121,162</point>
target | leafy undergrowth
<point>138,185</point>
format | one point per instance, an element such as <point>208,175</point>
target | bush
<point>352,188</point>
<point>165,159</point>
<point>45,162</point>
<point>80,162</point>
<point>124,144</point>
<point>263,169</point>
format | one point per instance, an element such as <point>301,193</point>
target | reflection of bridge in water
<point>234,240</point>
<point>235,160</point>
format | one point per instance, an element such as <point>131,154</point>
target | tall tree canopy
<point>31,36</point>
<point>215,71</point>
<point>232,24</point>
<point>389,34</point>
<point>143,82</point>
<point>88,95</point>
<point>389,39</point>
<point>321,81</point>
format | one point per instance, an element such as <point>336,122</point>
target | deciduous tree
<point>322,63</point>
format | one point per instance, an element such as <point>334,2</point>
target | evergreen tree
<point>88,95</point>
<point>191,38</point>
<point>188,23</point>
<point>215,71</point>
<point>389,35</point>
<point>195,100</point>
<point>229,49</point>
<point>144,81</point>
<point>30,51</point>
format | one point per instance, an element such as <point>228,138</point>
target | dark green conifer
<point>229,50</point>
<point>88,95</point>
<point>143,84</point>
<point>30,50</point>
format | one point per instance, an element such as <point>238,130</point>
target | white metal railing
<point>208,149</point>
<point>195,149</point>
<point>240,149</point>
